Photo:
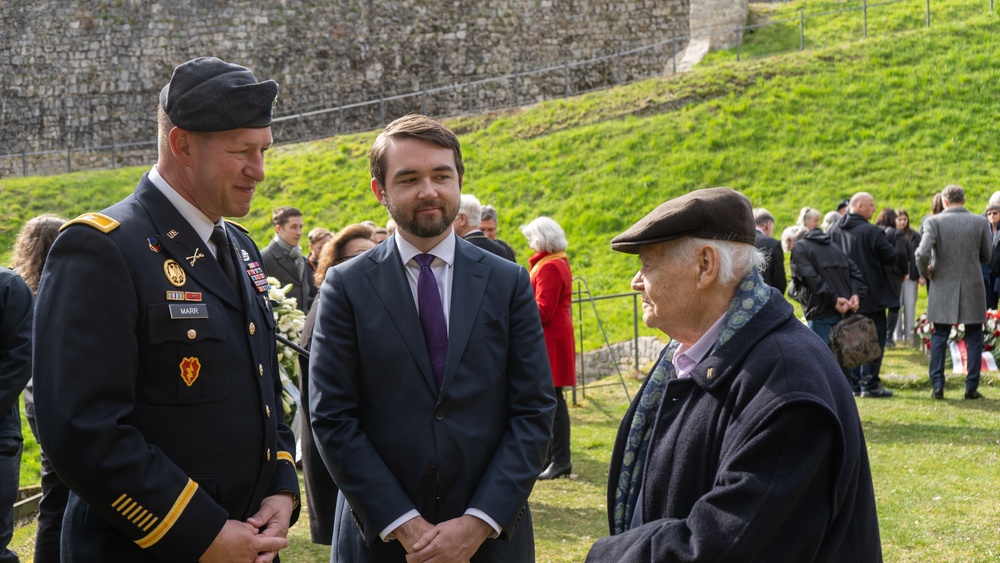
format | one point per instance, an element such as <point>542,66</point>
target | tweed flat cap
<point>208,94</point>
<point>713,213</point>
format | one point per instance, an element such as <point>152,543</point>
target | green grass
<point>900,114</point>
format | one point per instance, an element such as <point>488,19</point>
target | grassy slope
<point>899,116</point>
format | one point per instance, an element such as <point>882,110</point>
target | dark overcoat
<point>757,456</point>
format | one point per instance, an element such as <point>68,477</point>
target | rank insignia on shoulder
<point>175,273</point>
<point>190,369</point>
<point>238,226</point>
<point>154,244</point>
<point>100,222</point>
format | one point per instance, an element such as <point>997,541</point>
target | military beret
<point>208,94</point>
<point>713,213</point>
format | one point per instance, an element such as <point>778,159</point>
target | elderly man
<point>955,242</point>
<point>744,443</point>
<point>467,226</point>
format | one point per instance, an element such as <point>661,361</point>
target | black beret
<point>713,213</point>
<point>208,94</point>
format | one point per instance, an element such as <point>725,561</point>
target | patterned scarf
<point>751,295</point>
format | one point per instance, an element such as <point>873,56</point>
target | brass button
<point>192,334</point>
<point>260,369</point>
<point>268,454</point>
<point>253,329</point>
<point>267,411</point>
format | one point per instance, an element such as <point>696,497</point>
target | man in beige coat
<point>954,244</point>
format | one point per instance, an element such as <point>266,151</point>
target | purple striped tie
<point>432,316</point>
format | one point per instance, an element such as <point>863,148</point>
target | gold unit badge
<point>175,273</point>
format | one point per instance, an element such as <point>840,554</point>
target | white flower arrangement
<point>288,321</point>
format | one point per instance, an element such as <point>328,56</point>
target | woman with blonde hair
<point>30,250</point>
<point>553,284</point>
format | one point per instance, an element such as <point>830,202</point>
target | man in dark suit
<point>773,270</point>
<point>467,226</point>
<point>157,395</point>
<point>954,245</point>
<point>430,392</point>
<point>488,224</point>
<point>744,443</point>
<point>283,256</point>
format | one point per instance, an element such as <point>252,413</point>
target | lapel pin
<point>172,233</point>
<point>194,257</point>
<point>154,244</point>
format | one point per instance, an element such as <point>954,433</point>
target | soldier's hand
<point>239,542</point>
<point>272,520</point>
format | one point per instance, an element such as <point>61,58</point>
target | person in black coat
<point>744,443</point>
<point>773,270</point>
<point>157,395</point>
<point>15,369</point>
<point>870,250</point>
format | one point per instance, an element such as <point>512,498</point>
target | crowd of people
<point>435,366</point>
<point>853,264</point>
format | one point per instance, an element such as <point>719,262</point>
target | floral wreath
<point>991,333</point>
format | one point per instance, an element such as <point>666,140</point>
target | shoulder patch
<point>238,226</point>
<point>100,222</point>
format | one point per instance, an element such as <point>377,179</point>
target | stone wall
<point>85,73</point>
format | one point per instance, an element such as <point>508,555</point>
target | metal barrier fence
<point>501,92</point>
<point>582,297</point>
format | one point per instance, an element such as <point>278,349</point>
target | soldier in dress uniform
<point>156,379</point>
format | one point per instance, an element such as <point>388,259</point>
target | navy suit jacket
<point>391,439</point>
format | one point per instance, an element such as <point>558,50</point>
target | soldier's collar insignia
<point>154,244</point>
<point>172,233</point>
<point>194,257</point>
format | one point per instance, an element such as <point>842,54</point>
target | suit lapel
<point>392,288</point>
<point>180,241</point>
<point>286,264</point>
<point>467,290</point>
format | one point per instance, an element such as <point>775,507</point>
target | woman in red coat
<point>552,281</point>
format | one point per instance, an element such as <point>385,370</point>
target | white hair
<point>790,235</point>
<point>472,209</point>
<point>545,235</point>
<point>736,259</point>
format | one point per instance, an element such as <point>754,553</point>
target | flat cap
<point>713,213</point>
<point>207,94</point>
